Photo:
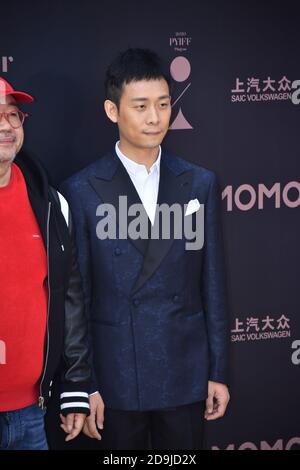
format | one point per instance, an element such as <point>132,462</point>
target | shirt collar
<point>132,167</point>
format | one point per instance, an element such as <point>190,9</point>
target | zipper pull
<point>41,402</point>
<point>62,247</point>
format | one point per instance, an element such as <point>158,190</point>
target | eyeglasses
<point>14,118</point>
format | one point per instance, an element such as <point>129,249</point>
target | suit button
<point>175,298</point>
<point>136,302</point>
<point>117,251</point>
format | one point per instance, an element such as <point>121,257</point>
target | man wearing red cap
<point>42,312</point>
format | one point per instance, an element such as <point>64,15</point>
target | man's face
<point>144,114</point>
<point>11,140</point>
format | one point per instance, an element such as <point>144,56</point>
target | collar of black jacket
<point>37,184</point>
<point>34,173</point>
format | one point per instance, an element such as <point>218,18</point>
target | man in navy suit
<point>156,306</point>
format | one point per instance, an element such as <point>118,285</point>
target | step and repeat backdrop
<point>236,110</point>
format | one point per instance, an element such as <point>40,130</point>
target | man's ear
<point>111,110</point>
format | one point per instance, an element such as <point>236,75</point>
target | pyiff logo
<point>180,69</point>
<point>296,93</point>
<point>180,41</point>
<point>4,63</point>
<point>2,352</point>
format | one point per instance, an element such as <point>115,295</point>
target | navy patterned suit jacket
<point>157,312</point>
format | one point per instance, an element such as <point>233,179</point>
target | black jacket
<point>66,336</point>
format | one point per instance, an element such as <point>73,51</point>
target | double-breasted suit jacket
<point>157,311</point>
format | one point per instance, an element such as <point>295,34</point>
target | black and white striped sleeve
<point>74,402</point>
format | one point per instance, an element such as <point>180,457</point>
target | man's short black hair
<point>130,66</point>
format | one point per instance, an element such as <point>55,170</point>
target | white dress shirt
<point>145,183</point>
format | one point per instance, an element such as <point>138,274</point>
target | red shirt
<point>23,297</point>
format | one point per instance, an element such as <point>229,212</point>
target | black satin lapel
<point>172,189</point>
<point>120,185</point>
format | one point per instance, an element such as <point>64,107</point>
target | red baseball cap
<point>20,96</point>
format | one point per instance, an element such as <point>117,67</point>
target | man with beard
<point>42,317</point>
